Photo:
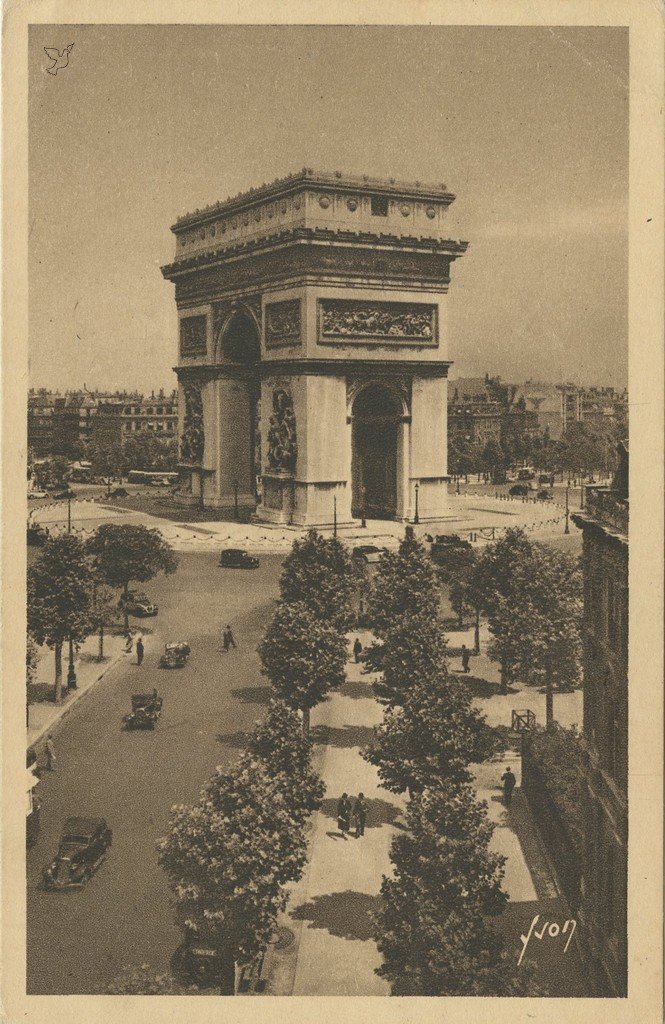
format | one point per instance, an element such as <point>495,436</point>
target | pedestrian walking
<point>360,815</point>
<point>50,754</point>
<point>466,657</point>
<point>357,649</point>
<point>129,643</point>
<point>139,651</point>
<point>509,783</point>
<point>344,814</point>
<point>228,639</point>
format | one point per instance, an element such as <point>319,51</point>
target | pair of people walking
<point>348,814</point>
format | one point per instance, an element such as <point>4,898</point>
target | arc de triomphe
<point>312,364</point>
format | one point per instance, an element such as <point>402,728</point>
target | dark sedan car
<point>236,558</point>
<point>368,553</point>
<point>82,849</point>
<point>137,604</point>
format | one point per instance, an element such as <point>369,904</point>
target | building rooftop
<point>319,179</point>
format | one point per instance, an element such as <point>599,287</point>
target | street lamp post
<point>363,520</point>
<point>69,515</point>
<point>235,499</point>
<point>416,519</point>
<point>457,488</point>
<point>334,515</point>
<point>567,529</point>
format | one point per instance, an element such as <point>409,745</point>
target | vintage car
<point>66,492</point>
<point>146,711</point>
<point>236,558</point>
<point>544,495</point>
<point>175,655</point>
<point>138,604</point>
<point>519,490</point>
<point>32,495</point>
<point>368,553</point>
<point>83,846</point>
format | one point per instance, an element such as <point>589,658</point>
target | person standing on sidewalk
<point>360,815</point>
<point>228,639</point>
<point>466,657</point>
<point>129,642</point>
<point>139,651</point>
<point>509,783</point>
<point>50,753</point>
<point>357,650</point>
<point>344,814</point>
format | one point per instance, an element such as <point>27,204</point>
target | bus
<point>139,476</point>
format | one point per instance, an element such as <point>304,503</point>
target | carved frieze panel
<point>193,340</point>
<point>283,323</point>
<point>282,442</point>
<point>192,440</point>
<point>362,322</point>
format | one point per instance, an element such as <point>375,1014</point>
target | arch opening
<point>376,414</point>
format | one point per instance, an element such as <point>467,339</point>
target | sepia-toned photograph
<point>327,418</point>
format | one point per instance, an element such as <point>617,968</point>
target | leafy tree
<point>228,859</point>
<point>124,553</point>
<point>492,460</point>
<point>31,658</point>
<point>320,572</point>
<point>102,612</point>
<point>279,743</point>
<point>536,626</point>
<point>303,657</point>
<point>406,582</point>
<point>432,738</point>
<point>150,453</point>
<point>414,650</point>
<point>105,455</point>
<point>433,929</point>
<point>60,586</point>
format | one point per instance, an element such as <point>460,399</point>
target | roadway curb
<point>77,696</point>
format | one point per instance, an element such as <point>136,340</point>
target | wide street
<point>79,941</point>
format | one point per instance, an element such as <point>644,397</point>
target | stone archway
<point>376,415</point>
<point>238,350</point>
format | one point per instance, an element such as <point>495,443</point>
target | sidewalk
<point>330,908</point>
<point>325,939</point>
<point>44,716</point>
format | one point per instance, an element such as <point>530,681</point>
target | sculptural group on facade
<point>192,440</point>
<point>376,320</point>
<point>282,445</point>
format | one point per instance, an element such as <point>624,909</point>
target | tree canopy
<point>278,742</point>
<point>405,583</point>
<point>320,572</point>
<point>433,929</point>
<point>124,553</point>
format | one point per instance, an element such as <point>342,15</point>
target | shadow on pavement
<point>480,687</point>
<point>237,740</point>
<point>253,694</point>
<point>379,812</point>
<point>347,915</point>
<point>348,736</point>
<point>358,690</point>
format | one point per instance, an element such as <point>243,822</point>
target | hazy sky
<point>529,127</point>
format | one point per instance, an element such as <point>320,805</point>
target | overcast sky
<point>529,127</point>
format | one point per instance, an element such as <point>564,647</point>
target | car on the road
<point>119,492</point>
<point>544,495</point>
<point>66,492</point>
<point>368,553</point>
<point>175,655</point>
<point>449,548</point>
<point>138,604</point>
<point>237,558</point>
<point>525,474</point>
<point>37,494</point>
<point>519,490</point>
<point>83,846</point>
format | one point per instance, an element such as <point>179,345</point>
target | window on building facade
<point>379,206</point>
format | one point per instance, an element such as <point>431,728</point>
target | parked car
<point>83,846</point>
<point>236,558</point>
<point>119,492</point>
<point>66,492</point>
<point>544,495</point>
<point>519,490</point>
<point>368,553</point>
<point>525,474</point>
<point>175,655</point>
<point>546,479</point>
<point>138,604</point>
<point>36,535</point>
<point>37,494</point>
